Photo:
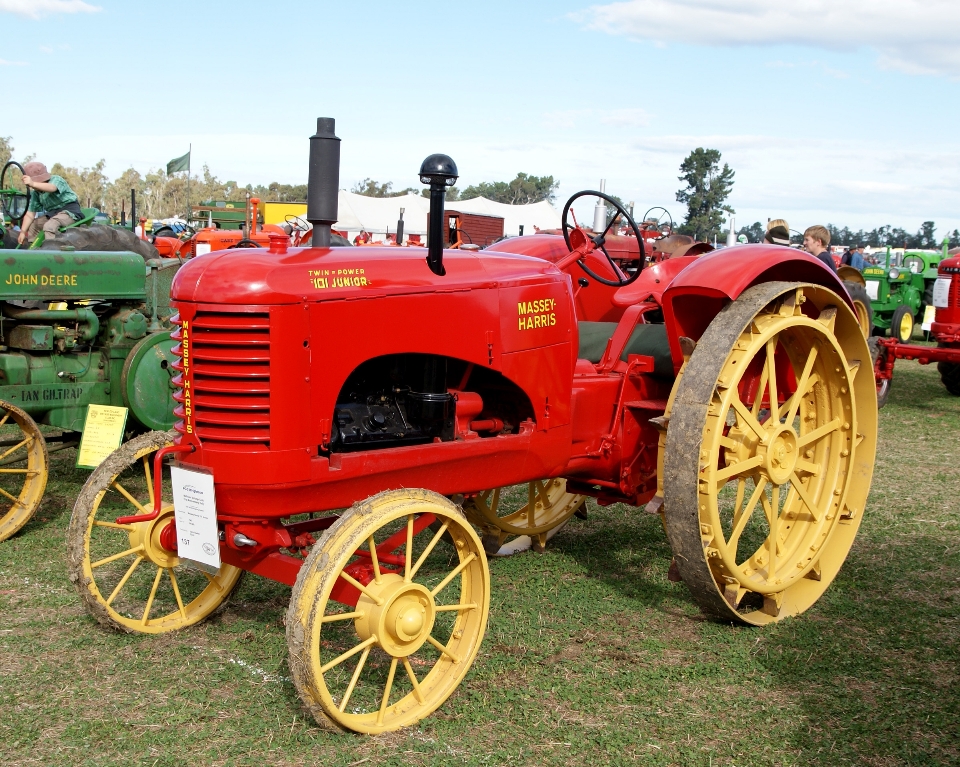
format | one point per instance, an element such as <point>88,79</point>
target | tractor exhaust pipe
<point>440,172</point>
<point>323,181</point>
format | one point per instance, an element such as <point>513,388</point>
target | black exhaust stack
<point>440,171</point>
<point>323,181</point>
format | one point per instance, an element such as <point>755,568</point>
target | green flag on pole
<point>178,164</point>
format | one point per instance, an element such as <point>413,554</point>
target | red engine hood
<point>256,276</point>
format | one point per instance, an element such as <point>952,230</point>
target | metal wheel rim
<point>107,592</point>
<point>18,504</point>
<point>322,674</point>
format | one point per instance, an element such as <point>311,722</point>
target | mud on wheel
<point>386,617</point>
<point>24,466</point>
<point>129,575</point>
<point>769,452</point>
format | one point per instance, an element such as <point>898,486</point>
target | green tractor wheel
<point>901,325</point>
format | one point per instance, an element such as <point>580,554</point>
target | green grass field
<point>591,657</point>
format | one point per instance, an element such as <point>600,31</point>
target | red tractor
<point>945,329</point>
<point>354,409</point>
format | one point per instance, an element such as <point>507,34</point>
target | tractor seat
<point>649,340</point>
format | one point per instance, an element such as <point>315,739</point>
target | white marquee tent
<point>378,215</point>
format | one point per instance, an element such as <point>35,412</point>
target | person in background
<point>52,198</point>
<point>816,240</point>
<point>857,260</point>
<point>778,232</point>
<point>845,258</point>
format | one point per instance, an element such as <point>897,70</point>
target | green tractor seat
<point>649,340</point>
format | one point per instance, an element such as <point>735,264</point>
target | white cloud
<point>5,63</point>
<point>914,36</point>
<point>626,118</point>
<point>35,9</point>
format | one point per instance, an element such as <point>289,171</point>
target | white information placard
<point>929,315</point>
<point>195,509</point>
<point>873,289</point>
<point>941,292</point>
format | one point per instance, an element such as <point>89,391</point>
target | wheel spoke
<point>14,448</point>
<point>176,592</point>
<point>739,523</point>
<point>455,608</point>
<point>722,475</point>
<point>805,439</point>
<point>772,378</point>
<point>111,525</point>
<point>413,680</point>
<point>5,417</point>
<point>408,554</point>
<point>805,496</point>
<point>748,417</point>
<point>213,581</point>
<point>153,593</point>
<point>123,580</point>
<point>348,654</point>
<point>443,649</point>
<point>808,467</point>
<point>385,701</point>
<point>774,528</point>
<point>802,384</point>
<point>758,397</point>
<point>363,589</point>
<point>341,617</point>
<point>531,502</point>
<point>354,679</point>
<point>453,574</point>
<point>11,497</point>
<point>123,491</point>
<point>426,552</point>
<point>114,557</point>
<point>30,472</point>
<point>146,472</point>
<point>374,559</point>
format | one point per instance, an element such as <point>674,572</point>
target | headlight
<point>894,273</point>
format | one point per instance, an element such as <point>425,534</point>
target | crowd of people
<point>816,242</point>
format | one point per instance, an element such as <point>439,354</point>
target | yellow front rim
<point>129,579</point>
<point>905,329</point>
<point>531,509</point>
<point>23,469</point>
<point>421,613</point>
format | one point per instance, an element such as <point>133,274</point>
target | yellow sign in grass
<point>102,434</point>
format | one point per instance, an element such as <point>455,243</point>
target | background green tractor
<point>901,288</point>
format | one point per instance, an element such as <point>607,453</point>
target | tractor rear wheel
<point>385,621</point>
<point>507,511</point>
<point>24,466</point>
<point>765,485</point>
<point>950,375</point>
<point>901,324</point>
<point>127,575</point>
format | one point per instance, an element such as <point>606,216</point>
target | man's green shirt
<point>51,201</point>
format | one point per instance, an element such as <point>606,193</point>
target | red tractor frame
<point>724,392</point>
<point>945,330</point>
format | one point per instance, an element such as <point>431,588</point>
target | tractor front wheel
<point>24,466</point>
<point>769,452</point>
<point>386,617</point>
<point>950,375</point>
<point>129,575</point>
<point>901,324</point>
<point>508,511</point>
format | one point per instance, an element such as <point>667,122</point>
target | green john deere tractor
<point>901,288</point>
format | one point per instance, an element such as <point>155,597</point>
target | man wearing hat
<point>778,232</point>
<point>50,197</point>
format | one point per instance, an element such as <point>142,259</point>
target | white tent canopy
<point>378,215</point>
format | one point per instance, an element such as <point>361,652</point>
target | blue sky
<point>841,112</point>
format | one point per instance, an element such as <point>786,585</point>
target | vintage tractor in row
<point>945,330</point>
<point>901,289</point>
<point>345,407</point>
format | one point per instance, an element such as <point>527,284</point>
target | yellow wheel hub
<point>401,621</point>
<point>784,416</point>
<point>146,536</point>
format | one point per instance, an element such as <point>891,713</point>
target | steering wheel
<point>13,200</point>
<point>661,227</point>
<point>245,243</point>
<point>577,239</point>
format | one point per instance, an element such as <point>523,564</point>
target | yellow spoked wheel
<point>24,467</point>
<point>901,324</point>
<point>533,509</point>
<point>386,617</point>
<point>769,452</point>
<point>129,575</point>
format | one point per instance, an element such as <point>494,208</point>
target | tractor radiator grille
<point>230,361</point>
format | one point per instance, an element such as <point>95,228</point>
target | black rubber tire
<point>950,375</point>
<point>898,315</point>
<point>860,298</point>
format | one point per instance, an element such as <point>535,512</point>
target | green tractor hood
<point>65,275</point>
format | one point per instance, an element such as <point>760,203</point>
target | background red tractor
<point>945,330</point>
<point>729,393</point>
